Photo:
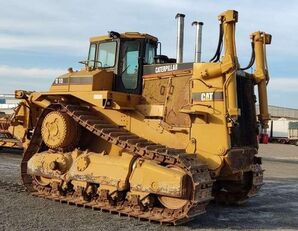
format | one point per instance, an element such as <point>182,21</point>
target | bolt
<point>53,165</point>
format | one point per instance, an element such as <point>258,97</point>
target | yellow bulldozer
<point>7,141</point>
<point>140,134</point>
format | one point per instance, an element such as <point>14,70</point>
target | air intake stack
<point>198,40</point>
<point>180,37</point>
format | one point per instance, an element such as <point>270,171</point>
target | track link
<point>140,147</point>
<point>257,180</point>
<point>244,190</point>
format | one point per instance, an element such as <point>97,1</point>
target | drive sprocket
<point>58,130</point>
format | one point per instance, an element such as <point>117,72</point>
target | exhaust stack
<point>198,40</point>
<point>180,37</point>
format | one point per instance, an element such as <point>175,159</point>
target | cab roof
<point>128,35</point>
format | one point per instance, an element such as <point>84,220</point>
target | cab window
<point>91,55</point>
<point>106,54</point>
<point>150,53</point>
<point>130,64</point>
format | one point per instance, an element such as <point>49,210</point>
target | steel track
<point>201,182</point>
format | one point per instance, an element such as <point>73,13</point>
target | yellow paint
<point>260,40</point>
<point>109,171</point>
<point>150,177</point>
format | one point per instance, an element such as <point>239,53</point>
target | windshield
<point>106,54</point>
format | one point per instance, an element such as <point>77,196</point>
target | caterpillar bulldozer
<point>137,133</point>
<point>6,138</point>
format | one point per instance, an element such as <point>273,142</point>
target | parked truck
<point>293,132</point>
<point>7,140</point>
<point>283,131</point>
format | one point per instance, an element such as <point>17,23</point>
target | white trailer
<point>283,131</point>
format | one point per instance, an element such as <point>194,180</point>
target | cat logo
<point>207,96</point>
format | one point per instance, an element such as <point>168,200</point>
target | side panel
<point>173,93</point>
<point>208,110</point>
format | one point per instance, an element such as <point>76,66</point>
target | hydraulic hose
<point>216,56</point>
<point>252,58</point>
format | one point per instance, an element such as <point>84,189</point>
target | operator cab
<point>124,54</point>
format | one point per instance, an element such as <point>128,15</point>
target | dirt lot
<point>276,207</point>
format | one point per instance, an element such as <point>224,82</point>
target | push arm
<point>260,40</point>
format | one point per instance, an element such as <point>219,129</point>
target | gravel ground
<point>279,152</point>
<point>276,206</point>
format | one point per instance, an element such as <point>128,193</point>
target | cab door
<point>129,77</point>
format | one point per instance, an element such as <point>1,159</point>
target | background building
<point>8,103</point>
<point>281,112</point>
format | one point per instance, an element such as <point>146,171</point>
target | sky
<point>39,40</point>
